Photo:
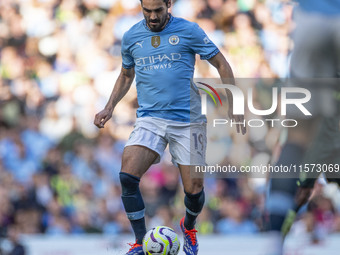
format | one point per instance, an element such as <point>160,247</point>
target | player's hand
<point>102,117</point>
<point>238,119</point>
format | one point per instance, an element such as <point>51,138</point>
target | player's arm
<point>227,76</point>
<point>120,89</point>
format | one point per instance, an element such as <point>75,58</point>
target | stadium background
<point>59,173</point>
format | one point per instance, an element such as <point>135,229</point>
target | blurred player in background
<point>161,50</point>
<point>316,55</point>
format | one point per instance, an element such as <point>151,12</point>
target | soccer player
<point>316,55</point>
<point>160,50</point>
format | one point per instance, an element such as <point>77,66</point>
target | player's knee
<point>195,187</point>
<point>129,183</point>
<point>198,186</point>
<point>194,202</point>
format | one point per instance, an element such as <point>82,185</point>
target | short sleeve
<point>201,44</point>
<point>127,59</point>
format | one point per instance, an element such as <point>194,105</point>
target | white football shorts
<point>187,141</point>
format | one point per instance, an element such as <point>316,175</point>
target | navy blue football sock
<point>133,204</point>
<point>139,229</point>
<point>194,204</point>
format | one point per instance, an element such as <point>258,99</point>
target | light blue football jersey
<point>164,65</point>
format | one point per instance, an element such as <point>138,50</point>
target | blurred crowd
<point>59,62</point>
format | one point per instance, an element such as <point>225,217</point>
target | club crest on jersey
<point>155,41</point>
<point>174,40</point>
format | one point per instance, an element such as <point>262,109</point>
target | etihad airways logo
<point>160,61</point>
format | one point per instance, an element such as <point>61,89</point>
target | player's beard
<point>160,23</point>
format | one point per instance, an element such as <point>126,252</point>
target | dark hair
<point>165,1</point>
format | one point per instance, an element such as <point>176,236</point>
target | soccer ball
<point>161,241</point>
